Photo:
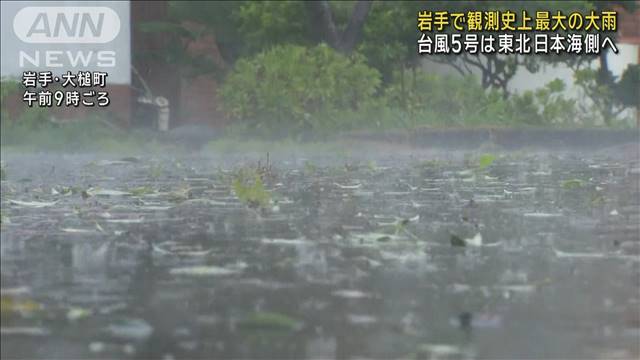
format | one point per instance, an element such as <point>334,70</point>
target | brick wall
<point>198,98</point>
<point>629,26</point>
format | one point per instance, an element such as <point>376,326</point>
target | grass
<point>33,133</point>
<point>80,136</point>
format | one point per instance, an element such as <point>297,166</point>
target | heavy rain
<point>298,180</point>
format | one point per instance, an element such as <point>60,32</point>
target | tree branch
<point>353,32</point>
<point>320,12</point>
<point>452,64</point>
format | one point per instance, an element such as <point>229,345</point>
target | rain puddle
<point>500,256</point>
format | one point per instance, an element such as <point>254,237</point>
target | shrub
<point>448,100</point>
<point>30,118</point>
<point>290,90</point>
<point>605,99</point>
<point>8,87</point>
<point>544,106</point>
<point>432,99</point>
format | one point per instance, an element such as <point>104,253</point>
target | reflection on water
<point>350,261</point>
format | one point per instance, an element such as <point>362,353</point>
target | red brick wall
<point>629,26</point>
<point>199,101</point>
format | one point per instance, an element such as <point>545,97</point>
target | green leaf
<point>486,160</point>
<point>10,306</point>
<point>141,190</point>
<point>270,320</point>
<point>572,184</point>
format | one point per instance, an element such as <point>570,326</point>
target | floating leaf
<point>126,221</point>
<point>4,219</point>
<point>106,192</point>
<point>10,305</point>
<point>457,241</point>
<point>194,253</point>
<point>541,215</point>
<point>348,187</point>
<point>442,351</point>
<point>563,254</point>
<point>141,190</point>
<point>203,271</point>
<point>486,160</point>
<point>24,331</point>
<point>377,236</point>
<point>474,241</point>
<point>309,168</point>
<point>180,195</point>
<point>76,313</point>
<point>270,320</point>
<point>32,204</point>
<point>359,319</point>
<point>132,329</point>
<point>400,224</point>
<point>351,294</point>
<point>572,184</point>
<point>15,291</point>
<point>77,231</point>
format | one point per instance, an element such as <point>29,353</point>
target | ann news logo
<point>97,25</point>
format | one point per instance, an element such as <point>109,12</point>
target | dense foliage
<point>293,89</point>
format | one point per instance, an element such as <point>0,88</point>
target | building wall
<point>199,94</point>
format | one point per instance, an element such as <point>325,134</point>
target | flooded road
<point>447,256</point>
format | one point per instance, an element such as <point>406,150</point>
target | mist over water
<point>293,180</point>
<point>376,250</point>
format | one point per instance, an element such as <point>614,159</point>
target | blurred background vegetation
<point>274,83</point>
<point>309,69</point>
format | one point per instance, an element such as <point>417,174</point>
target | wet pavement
<point>450,255</point>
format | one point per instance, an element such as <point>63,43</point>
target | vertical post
<point>148,50</point>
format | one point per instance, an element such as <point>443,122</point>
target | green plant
<point>291,90</point>
<point>485,160</point>
<point>8,87</point>
<point>249,189</point>
<point>423,98</point>
<point>572,184</point>
<point>607,99</point>
<point>627,91</point>
<point>268,23</point>
<point>543,106</point>
<point>30,118</point>
<point>33,131</point>
<point>269,320</point>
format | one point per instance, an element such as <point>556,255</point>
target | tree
<point>384,32</point>
<point>345,41</point>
